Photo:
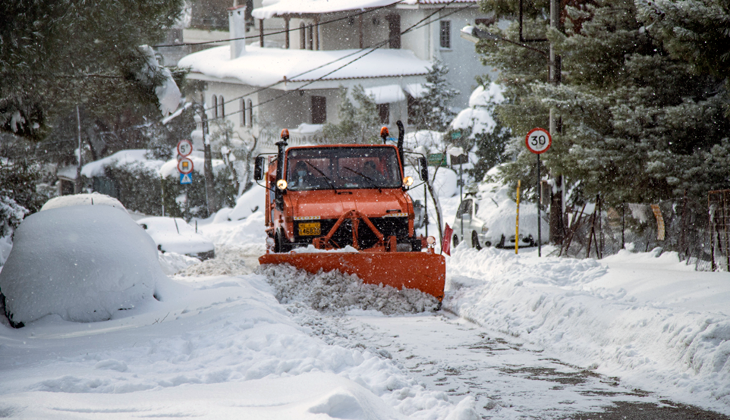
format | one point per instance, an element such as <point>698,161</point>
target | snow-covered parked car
<point>175,235</point>
<point>488,213</point>
<point>81,263</point>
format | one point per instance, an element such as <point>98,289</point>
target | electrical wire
<point>416,25</point>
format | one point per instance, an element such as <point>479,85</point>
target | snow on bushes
<point>82,263</point>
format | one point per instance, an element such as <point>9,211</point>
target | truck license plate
<point>309,229</point>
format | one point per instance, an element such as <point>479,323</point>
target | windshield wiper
<point>329,181</point>
<point>372,181</point>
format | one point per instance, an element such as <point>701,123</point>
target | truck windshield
<point>324,168</point>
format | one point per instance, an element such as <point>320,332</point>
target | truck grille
<point>388,226</point>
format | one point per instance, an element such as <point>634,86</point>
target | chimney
<point>237,29</point>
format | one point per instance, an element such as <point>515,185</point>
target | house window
<point>393,31</point>
<point>445,34</point>
<point>215,106</point>
<point>243,112</point>
<point>384,113</point>
<point>302,36</point>
<point>223,106</point>
<point>250,113</point>
<point>310,37</point>
<point>485,22</point>
<point>319,110</point>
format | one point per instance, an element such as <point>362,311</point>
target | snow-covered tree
<point>636,121</point>
<point>55,55</point>
<point>359,121</point>
<point>432,111</point>
<point>695,31</point>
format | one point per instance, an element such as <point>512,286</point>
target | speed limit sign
<point>184,147</point>
<point>538,140</point>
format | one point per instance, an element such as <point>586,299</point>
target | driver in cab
<point>303,177</point>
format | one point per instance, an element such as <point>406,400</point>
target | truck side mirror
<point>423,164</point>
<point>258,169</point>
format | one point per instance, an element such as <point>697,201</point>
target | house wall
<point>461,58</point>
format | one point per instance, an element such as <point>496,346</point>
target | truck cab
<point>311,187</point>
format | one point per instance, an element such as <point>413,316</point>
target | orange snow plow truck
<point>351,203</point>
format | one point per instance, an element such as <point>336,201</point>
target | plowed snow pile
<point>645,317</point>
<point>335,291</point>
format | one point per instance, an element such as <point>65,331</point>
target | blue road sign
<point>186,178</point>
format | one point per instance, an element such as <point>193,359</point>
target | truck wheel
<point>281,244</point>
<point>475,241</point>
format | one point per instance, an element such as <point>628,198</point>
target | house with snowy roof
<point>286,73</point>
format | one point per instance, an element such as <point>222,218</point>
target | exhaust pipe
<point>280,154</point>
<point>401,135</point>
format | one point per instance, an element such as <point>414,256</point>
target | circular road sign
<point>184,147</point>
<point>538,140</point>
<point>185,165</point>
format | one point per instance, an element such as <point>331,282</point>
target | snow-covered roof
<point>266,66</point>
<point>297,7</point>
<point>121,157</point>
<point>386,94</point>
<point>302,7</point>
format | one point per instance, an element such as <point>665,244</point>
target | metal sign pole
<point>461,196</point>
<point>539,202</point>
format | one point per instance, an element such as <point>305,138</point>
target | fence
<point>698,231</point>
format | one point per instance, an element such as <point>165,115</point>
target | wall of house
<point>461,58</point>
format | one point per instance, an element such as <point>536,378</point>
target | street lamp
<point>474,34</point>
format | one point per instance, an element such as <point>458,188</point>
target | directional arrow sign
<point>185,165</point>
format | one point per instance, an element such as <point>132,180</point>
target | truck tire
<point>475,240</point>
<point>281,244</point>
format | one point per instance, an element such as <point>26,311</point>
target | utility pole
<point>557,231</point>
<point>77,182</point>
<point>210,198</point>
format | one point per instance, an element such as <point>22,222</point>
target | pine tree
<point>55,55</point>
<point>636,120</point>
<point>695,31</point>
<point>432,111</point>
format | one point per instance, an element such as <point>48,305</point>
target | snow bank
<point>216,348</point>
<point>173,234</point>
<point>82,263</point>
<point>652,321</point>
<point>250,202</point>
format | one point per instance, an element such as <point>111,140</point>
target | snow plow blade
<point>413,270</point>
